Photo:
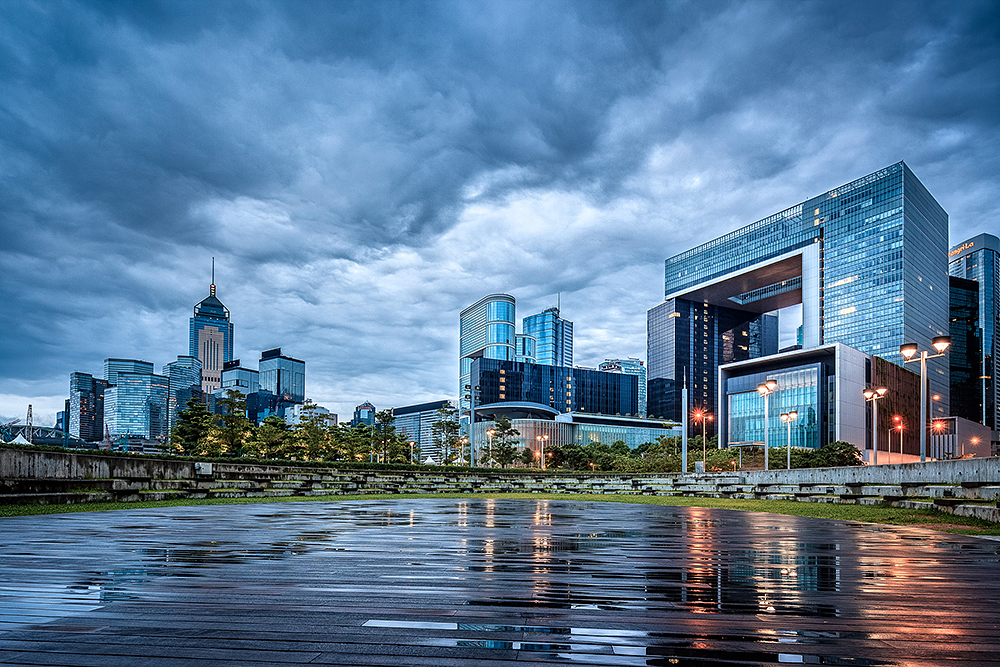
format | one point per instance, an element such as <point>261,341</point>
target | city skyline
<point>352,188</point>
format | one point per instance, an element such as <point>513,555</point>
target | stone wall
<point>968,487</point>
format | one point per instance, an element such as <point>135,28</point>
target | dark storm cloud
<point>363,170</point>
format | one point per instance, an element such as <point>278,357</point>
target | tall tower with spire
<point>211,338</point>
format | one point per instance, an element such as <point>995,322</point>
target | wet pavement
<point>488,582</point>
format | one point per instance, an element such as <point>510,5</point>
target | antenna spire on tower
<point>211,289</point>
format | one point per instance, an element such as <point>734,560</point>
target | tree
<point>837,453</point>
<point>389,445</point>
<point>235,429</point>
<point>527,457</point>
<point>504,438</point>
<point>556,456</point>
<point>445,432</point>
<point>192,428</point>
<point>311,438</point>
<point>270,439</point>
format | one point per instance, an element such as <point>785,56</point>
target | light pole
<point>788,418</point>
<point>411,452</point>
<point>489,434</point>
<point>703,416</point>
<point>898,427</point>
<point>873,395</point>
<point>541,439</point>
<point>909,350</point>
<point>766,389</point>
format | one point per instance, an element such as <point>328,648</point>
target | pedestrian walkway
<point>488,582</point>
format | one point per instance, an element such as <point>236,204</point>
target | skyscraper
<point>965,358</point>
<point>283,376</point>
<point>553,336</point>
<point>629,366</point>
<point>184,383</point>
<point>137,405</point>
<point>839,254</point>
<point>486,330</point>
<point>112,367</point>
<point>211,338</point>
<point>979,259</point>
<point>86,406</point>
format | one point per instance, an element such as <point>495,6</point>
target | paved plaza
<point>488,582</point>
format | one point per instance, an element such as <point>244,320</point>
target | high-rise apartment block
<point>211,339</point>
<point>553,337</point>
<point>629,366</point>
<point>978,259</point>
<point>866,260</point>
<point>86,406</point>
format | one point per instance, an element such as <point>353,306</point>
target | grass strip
<point>895,516</point>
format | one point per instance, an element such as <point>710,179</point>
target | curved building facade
<point>486,330</point>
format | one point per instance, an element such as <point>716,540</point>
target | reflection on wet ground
<point>447,582</point>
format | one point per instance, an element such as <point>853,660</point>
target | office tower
<point>486,330</point>
<point>112,367</point>
<point>629,366</point>
<point>554,388</point>
<point>965,356</point>
<point>364,415</point>
<point>243,380</point>
<point>211,338</point>
<point>524,348</point>
<point>416,424</point>
<point>86,406</point>
<point>137,405</point>
<point>866,261</point>
<point>979,259</point>
<point>283,376</point>
<point>553,337</point>
<point>184,383</point>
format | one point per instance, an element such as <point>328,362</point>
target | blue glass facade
<point>965,354</point>
<point>416,424</point>
<point>283,376</point>
<point>979,259</point>
<point>866,260</point>
<point>486,330</point>
<point>630,366</point>
<point>184,379</point>
<point>562,388</point>
<point>525,348</point>
<point>137,405</point>
<point>800,388</point>
<point>364,415</point>
<point>112,367</point>
<point>244,380</point>
<point>553,336</point>
<point>86,406</point>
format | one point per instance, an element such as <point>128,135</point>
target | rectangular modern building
<point>283,376</point>
<point>184,379</point>
<point>553,337</point>
<point>979,259</point>
<point>867,261</point>
<point>629,366</point>
<point>416,423</point>
<point>965,358</point>
<point>557,388</point>
<point>137,406</point>
<point>86,406</point>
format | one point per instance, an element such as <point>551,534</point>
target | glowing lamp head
<point>784,416</point>
<point>908,350</point>
<point>762,388</point>
<point>941,343</point>
<point>793,415</point>
<point>881,391</point>
<point>771,385</point>
<point>869,393</point>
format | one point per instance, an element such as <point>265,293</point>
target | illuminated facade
<point>867,261</point>
<point>979,259</point>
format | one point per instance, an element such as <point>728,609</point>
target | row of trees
<point>201,433</point>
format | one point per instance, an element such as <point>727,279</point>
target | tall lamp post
<point>489,434</point>
<point>897,427</point>
<point>703,416</point>
<point>788,418</point>
<point>909,351</point>
<point>766,389</point>
<point>872,395</point>
<point>541,439</point>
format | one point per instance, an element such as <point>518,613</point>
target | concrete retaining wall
<point>969,487</point>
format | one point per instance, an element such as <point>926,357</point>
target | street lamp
<point>788,418</point>
<point>703,416</point>
<point>489,434</point>
<point>909,350</point>
<point>766,389</point>
<point>898,427</point>
<point>541,439</point>
<point>873,395</point>
<point>411,452</point>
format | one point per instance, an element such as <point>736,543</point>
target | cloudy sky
<point>362,171</point>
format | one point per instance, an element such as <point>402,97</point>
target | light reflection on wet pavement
<point>452,582</point>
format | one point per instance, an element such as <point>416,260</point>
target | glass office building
<point>364,415</point>
<point>243,380</point>
<point>965,359</point>
<point>560,388</point>
<point>210,339</point>
<point>553,337</point>
<point>416,424</point>
<point>184,380</point>
<point>979,259</point>
<point>112,367</point>
<point>138,406</point>
<point>629,366</point>
<point>867,262</point>
<point>524,349</point>
<point>486,330</point>
<point>283,376</point>
<point>86,407</point>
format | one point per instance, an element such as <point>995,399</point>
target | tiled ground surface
<point>448,582</point>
